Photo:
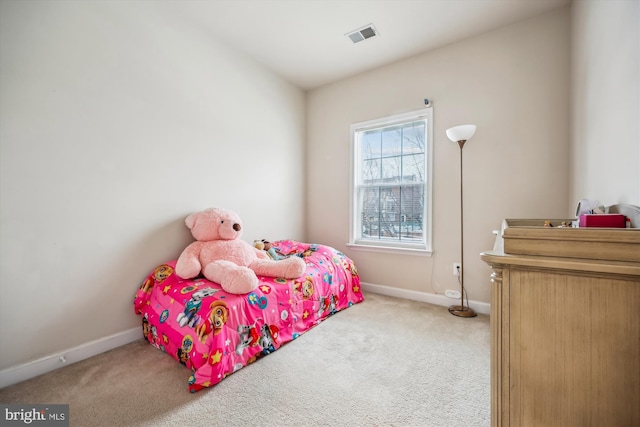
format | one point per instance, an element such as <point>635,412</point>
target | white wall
<point>117,122</point>
<point>513,84</point>
<point>605,101</point>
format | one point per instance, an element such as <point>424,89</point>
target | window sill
<point>389,249</point>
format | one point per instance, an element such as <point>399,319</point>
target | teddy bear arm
<point>288,268</point>
<point>188,265</point>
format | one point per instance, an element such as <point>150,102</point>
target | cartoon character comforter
<point>215,333</point>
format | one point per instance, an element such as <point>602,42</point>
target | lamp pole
<point>461,144</point>
<point>461,310</point>
<point>461,134</point>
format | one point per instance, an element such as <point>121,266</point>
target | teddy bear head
<point>214,224</point>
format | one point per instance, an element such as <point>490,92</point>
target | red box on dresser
<point>603,220</point>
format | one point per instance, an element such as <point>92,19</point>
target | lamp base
<point>461,311</point>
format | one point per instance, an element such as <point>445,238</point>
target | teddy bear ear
<point>190,221</point>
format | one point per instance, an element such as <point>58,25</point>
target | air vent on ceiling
<point>363,33</point>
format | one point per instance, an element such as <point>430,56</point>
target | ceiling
<point>305,41</point>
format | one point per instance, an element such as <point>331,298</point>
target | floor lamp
<point>461,134</point>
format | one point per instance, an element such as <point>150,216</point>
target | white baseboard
<point>478,306</point>
<point>46,364</point>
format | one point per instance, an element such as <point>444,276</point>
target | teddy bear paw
<point>294,267</point>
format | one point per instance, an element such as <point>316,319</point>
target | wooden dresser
<point>565,327</point>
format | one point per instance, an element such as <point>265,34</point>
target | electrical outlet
<point>457,267</point>
<point>452,294</point>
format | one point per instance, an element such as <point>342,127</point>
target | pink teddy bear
<point>223,258</point>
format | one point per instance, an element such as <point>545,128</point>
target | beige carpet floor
<point>384,362</point>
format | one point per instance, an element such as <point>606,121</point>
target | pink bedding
<point>215,333</point>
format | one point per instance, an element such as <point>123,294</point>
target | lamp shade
<point>461,133</point>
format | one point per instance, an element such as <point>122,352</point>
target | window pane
<point>392,141</point>
<point>371,213</point>
<point>391,169</point>
<point>390,213</point>
<point>412,208</point>
<point>371,147</point>
<point>414,141</point>
<point>413,166</point>
<point>371,171</point>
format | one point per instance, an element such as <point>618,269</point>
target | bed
<point>215,333</point>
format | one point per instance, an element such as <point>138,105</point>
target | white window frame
<point>355,225</point>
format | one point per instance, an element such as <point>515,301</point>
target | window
<point>391,182</point>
